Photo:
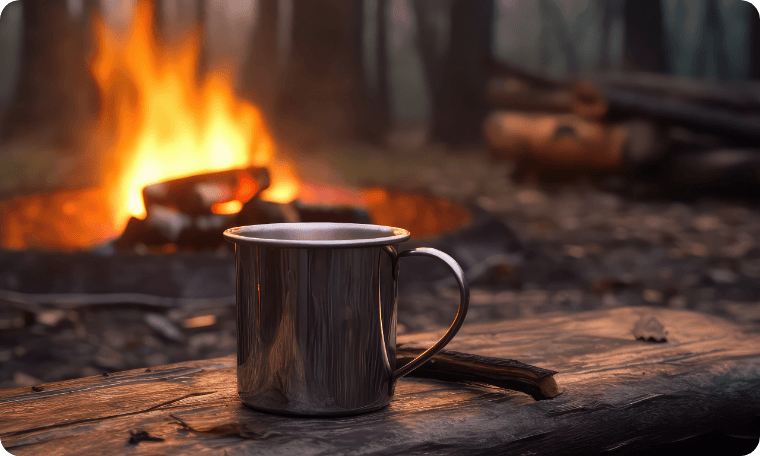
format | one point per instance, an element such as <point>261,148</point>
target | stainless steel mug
<point>316,316</point>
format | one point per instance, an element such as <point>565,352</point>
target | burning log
<point>207,193</point>
<point>257,211</point>
<point>331,213</point>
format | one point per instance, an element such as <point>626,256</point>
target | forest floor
<point>566,247</point>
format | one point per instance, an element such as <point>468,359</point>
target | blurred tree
<point>754,45</point>
<point>644,45</point>
<point>383,100</point>
<point>200,21</point>
<point>434,65</point>
<point>554,27</point>
<point>159,20</point>
<point>322,93</point>
<point>712,43</point>
<point>456,79</point>
<point>470,47</point>
<point>610,10</point>
<point>55,89</point>
<point>260,71</point>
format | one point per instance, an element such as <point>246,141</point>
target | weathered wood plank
<point>619,395</point>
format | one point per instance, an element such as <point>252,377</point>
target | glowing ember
<point>162,124</point>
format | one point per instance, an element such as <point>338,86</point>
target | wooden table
<point>620,395</point>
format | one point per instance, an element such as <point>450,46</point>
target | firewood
<point>716,168</point>
<point>331,213</point>
<point>595,102</point>
<point>196,195</point>
<point>515,94</point>
<point>453,366</point>
<point>736,95</point>
<point>258,211</point>
<point>563,140</point>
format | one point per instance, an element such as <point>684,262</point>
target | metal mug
<point>316,316</point>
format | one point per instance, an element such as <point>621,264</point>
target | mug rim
<point>243,235</point>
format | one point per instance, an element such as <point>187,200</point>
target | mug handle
<point>464,301</point>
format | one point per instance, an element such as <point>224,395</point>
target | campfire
<point>183,158</point>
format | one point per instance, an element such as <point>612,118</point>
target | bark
<point>323,94</point>
<point>644,37</point>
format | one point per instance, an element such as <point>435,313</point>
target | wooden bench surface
<point>620,394</point>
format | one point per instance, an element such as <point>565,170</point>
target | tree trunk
<point>55,90</point>
<point>469,50</point>
<point>754,44</point>
<point>555,27</point>
<point>159,20</point>
<point>610,9</point>
<point>383,82</point>
<point>434,66</point>
<point>260,69</point>
<point>200,21</point>
<point>711,45</point>
<point>323,94</point>
<point>644,39</point>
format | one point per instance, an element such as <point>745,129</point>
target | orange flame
<point>163,124</point>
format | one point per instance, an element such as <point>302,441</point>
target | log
<point>733,170</point>
<point>515,94</point>
<point>620,395</point>
<point>565,141</point>
<point>605,102</point>
<point>336,213</point>
<point>736,95</point>
<point>196,195</point>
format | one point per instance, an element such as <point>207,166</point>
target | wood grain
<point>618,395</point>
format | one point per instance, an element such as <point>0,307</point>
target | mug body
<point>316,327</point>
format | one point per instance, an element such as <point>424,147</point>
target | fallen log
<point>735,170</point>
<point>516,94</point>
<point>595,102</point>
<point>564,140</point>
<point>621,395</point>
<point>736,95</point>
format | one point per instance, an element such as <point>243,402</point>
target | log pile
<point>190,213</point>
<point>613,122</point>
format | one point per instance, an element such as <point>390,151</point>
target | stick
<point>503,373</point>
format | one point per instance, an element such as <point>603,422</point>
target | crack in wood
<point>101,418</point>
<point>110,382</point>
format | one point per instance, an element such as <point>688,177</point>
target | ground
<point>566,247</point>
